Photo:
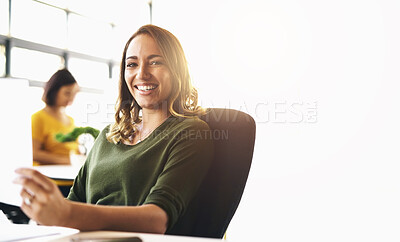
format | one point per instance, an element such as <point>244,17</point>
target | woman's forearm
<point>146,218</point>
<point>47,158</point>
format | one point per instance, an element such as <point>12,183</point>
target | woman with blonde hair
<point>146,167</point>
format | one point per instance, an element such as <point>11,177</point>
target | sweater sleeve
<point>78,190</point>
<point>37,127</point>
<point>190,155</point>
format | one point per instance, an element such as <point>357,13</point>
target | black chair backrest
<point>213,207</point>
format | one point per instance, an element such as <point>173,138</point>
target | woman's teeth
<point>146,88</point>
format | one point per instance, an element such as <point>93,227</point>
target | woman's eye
<point>155,63</point>
<point>131,64</point>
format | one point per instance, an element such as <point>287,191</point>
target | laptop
<point>16,136</point>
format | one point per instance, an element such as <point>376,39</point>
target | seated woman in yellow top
<point>59,92</point>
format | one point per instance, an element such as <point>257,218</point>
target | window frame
<point>10,41</point>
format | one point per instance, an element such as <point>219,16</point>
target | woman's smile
<point>146,89</point>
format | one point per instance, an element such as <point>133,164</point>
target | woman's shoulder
<point>190,123</point>
<point>103,134</point>
<point>41,112</point>
<point>39,115</point>
<point>192,129</point>
<point>101,139</point>
<point>104,131</point>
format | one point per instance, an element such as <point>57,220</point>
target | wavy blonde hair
<point>183,99</point>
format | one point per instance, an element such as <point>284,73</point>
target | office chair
<point>215,203</point>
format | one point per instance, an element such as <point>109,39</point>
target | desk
<point>59,172</point>
<point>86,236</point>
<point>62,175</point>
<point>68,173</point>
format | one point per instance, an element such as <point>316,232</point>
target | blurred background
<point>321,79</point>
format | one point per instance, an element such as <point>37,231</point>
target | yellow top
<point>44,129</point>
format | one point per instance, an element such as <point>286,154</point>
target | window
<point>34,65</point>
<point>57,3</point>
<point>120,37</point>
<point>4,17</point>
<point>89,73</point>
<point>38,23</point>
<point>51,30</point>
<point>2,60</point>
<point>99,10</point>
<point>89,37</point>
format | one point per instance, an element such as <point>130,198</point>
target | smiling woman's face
<point>146,74</point>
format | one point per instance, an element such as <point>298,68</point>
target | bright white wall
<point>321,78</point>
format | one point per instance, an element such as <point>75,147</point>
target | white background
<point>329,177</point>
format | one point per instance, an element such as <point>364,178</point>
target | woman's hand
<point>44,203</point>
<point>42,200</point>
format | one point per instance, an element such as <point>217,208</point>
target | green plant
<point>74,134</point>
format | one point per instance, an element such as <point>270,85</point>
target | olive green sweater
<point>164,169</point>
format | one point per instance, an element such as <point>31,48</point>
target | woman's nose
<point>143,72</point>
